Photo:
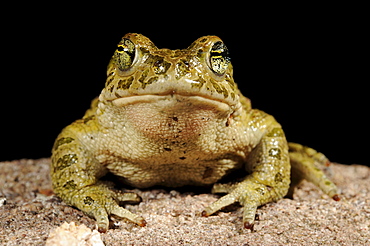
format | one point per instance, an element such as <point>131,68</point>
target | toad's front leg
<point>75,176</point>
<point>269,179</point>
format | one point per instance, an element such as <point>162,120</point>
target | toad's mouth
<point>174,100</point>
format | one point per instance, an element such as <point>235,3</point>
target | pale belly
<point>175,174</point>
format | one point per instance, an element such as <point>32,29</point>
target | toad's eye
<point>125,54</point>
<point>219,58</point>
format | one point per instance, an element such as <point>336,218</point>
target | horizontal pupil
<point>219,55</point>
<point>219,51</point>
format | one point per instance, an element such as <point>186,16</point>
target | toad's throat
<point>173,117</point>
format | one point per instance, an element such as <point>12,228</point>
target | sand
<point>29,213</point>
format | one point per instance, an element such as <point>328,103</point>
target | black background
<point>307,68</point>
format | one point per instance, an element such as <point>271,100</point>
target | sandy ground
<point>29,212</point>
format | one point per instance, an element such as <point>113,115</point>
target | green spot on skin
<point>181,69</point>
<point>200,83</point>
<point>278,178</point>
<point>260,190</point>
<point>125,84</point>
<point>110,88</point>
<point>219,88</point>
<point>275,152</point>
<point>87,119</point>
<point>203,40</point>
<point>143,76</point>
<point>230,81</point>
<point>150,81</point>
<point>66,161</point>
<point>70,185</point>
<point>88,200</point>
<point>232,95</point>
<point>62,141</point>
<point>109,80</point>
<point>200,53</point>
<point>276,132</point>
<point>161,66</point>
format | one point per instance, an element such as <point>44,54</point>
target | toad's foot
<point>307,163</point>
<point>269,180</point>
<point>99,201</point>
<point>249,193</point>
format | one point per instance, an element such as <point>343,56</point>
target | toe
<point>128,197</point>
<point>102,220</point>
<point>248,226</point>
<point>223,188</point>
<point>124,213</point>
<point>219,204</point>
<point>249,214</point>
<point>336,197</point>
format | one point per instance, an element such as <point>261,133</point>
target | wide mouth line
<point>125,100</point>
